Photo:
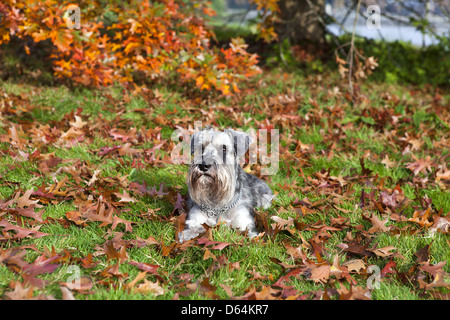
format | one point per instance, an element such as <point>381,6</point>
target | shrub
<point>123,42</point>
<point>402,62</point>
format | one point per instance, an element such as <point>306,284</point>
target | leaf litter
<point>321,241</point>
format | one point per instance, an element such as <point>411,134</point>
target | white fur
<point>238,218</point>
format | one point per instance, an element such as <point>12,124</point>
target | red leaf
<point>150,268</point>
<point>388,268</point>
<point>214,244</point>
<point>20,232</point>
<point>106,150</point>
<point>41,265</point>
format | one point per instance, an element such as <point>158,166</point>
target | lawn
<point>90,200</point>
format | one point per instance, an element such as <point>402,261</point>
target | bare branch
<point>352,48</point>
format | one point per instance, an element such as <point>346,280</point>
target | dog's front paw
<point>252,233</point>
<point>187,234</point>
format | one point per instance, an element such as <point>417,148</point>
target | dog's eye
<point>224,149</point>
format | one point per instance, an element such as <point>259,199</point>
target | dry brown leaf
<point>422,218</point>
<point>355,265</point>
<point>24,201</point>
<point>378,225</point>
<point>124,197</point>
<point>78,123</point>
<point>384,251</point>
<point>420,165</point>
<point>282,223</point>
<point>83,284</point>
<point>319,273</point>
<point>147,287</point>
<point>441,224</point>
<point>388,163</point>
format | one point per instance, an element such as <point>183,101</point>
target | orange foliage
<point>118,41</point>
<point>269,11</point>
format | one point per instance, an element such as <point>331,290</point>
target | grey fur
<point>217,181</point>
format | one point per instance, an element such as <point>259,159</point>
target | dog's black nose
<point>204,167</point>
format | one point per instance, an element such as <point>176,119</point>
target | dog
<point>218,187</point>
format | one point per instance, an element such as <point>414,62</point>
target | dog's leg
<point>194,222</point>
<point>243,220</point>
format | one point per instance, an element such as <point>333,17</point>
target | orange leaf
<point>199,81</point>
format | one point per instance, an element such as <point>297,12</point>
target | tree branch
<point>352,48</point>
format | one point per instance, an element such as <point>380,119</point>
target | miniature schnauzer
<point>219,190</point>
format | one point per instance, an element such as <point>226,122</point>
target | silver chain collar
<point>211,212</point>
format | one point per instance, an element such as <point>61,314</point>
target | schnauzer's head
<point>212,175</point>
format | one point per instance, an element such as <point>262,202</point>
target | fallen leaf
<point>317,273</point>
<point>420,165</point>
<point>209,255</point>
<point>266,293</point>
<point>150,268</point>
<point>146,287</point>
<point>213,244</point>
<point>66,293</point>
<point>422,217</point>
<point>388,163</point>
<point>82,284</point>
<point>354,293</point>
<point>422,254</point>
<point>24,201</point>
<point>112,253</point>
<point>384,251</point>
<point>41,265</point>
<point>388,268</point>
<point>24,292</point>
<point>20,232</point>
<point>433,269</point>
<point>377,224</point>
<point>282,223</point>
<point>87,262</point>
<point>355,265</point>
<point>441,224</point>
<point>78,123</point>
<point>124,197</point>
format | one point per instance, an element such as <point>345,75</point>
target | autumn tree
<point>127,41</point>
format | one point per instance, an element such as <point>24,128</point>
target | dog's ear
<point>195,142</point>
<point>241,141</point>
<point>196,147</point>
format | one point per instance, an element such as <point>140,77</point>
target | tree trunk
<point>300,21</point>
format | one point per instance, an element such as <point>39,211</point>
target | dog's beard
<point>214,188</point>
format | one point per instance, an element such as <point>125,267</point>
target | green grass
<point>243,257</point>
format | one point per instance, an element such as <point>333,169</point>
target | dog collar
<point>211,212</point>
